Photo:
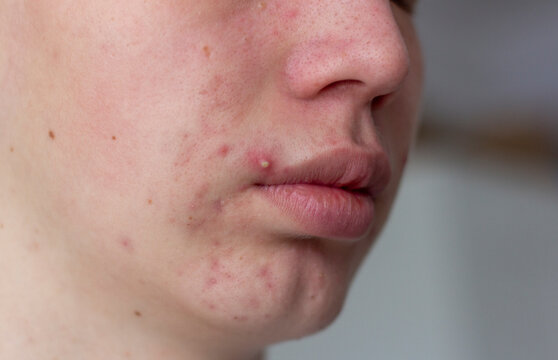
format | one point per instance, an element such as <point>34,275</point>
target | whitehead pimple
<point>264,164</point>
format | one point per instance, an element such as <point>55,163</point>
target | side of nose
<point>356,43</point>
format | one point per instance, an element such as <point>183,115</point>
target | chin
<point>293,290</point>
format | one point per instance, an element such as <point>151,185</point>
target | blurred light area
<point>467,267</point>
<point>495,59</point>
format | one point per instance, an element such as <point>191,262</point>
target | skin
<point>130,138</point>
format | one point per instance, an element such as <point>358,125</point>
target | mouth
<point>331,195</point>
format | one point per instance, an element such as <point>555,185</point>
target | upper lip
<point>347,169</point>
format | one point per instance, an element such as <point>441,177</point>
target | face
<point>228,162</point>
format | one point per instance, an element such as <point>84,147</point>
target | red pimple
<point>211,282</point>
<point>254,303</point>
<point>223,150</point>
<point>127,244</point>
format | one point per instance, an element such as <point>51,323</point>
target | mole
<point>51,134</point>
<point>11,149</point>
<point>113,137</point>
<point>137,313</point>
<point>207,51</point>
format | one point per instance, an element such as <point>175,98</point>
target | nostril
<point>382,101</point>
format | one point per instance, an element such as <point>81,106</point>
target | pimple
<point>292,14</point>
<point>215,265</point>
<point>262,5</point>
<point>254,303</point>
<point>259,160</point>
<point>210,283</point>
<point>127,244</point>
<point>224,150</point>
<point>51,135</point>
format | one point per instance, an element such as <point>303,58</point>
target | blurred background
<point>467,267</point>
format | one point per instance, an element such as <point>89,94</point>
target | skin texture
<point>131,137</point>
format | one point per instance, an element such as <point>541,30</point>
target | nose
<point>354,43</point>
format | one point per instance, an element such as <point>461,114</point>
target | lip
<point>330,195</point>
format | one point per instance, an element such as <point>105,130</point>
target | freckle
<point>137,313</point>
<point>207,51</point>
<point>149,201</point>
<point>114,138</point>
<point>1,226</point>
<point>11,149</point>
<point>51,134</point>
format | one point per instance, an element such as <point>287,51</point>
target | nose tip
<point>369,54</point>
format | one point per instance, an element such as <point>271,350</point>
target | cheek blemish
<point>149,202</point>
<point>210,283</point>
<point>262,5</point>
<point>114,138</point>
<point>11,149</point>
<point>240,318</point>
<point>207,51</point>
<point>127,244</point>
<point>224,151</point>
<point>137,313</point>
<point>260,161</point>
<point>264,274</point>
<point>51,135</point>
<point>1,226</point>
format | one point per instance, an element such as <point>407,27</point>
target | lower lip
<point>324,211</point>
